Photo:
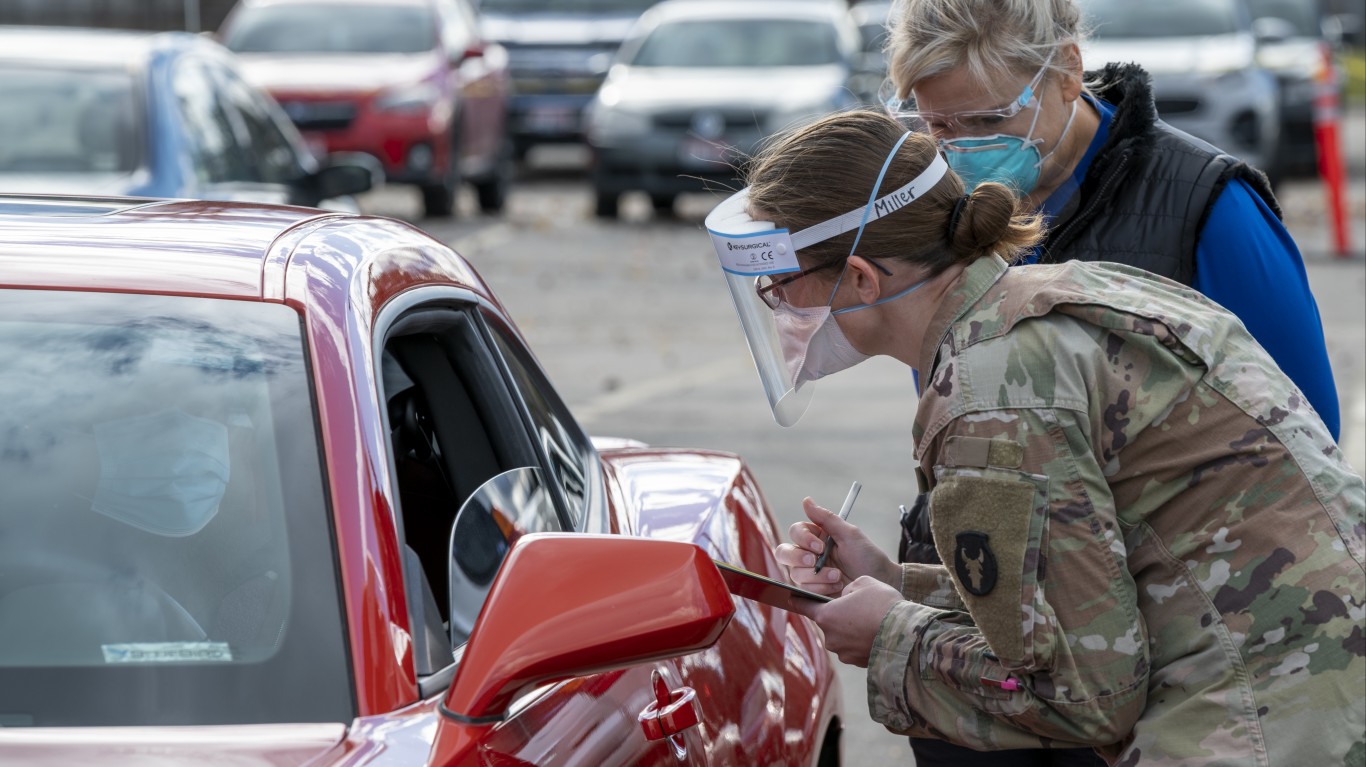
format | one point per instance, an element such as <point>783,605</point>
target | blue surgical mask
<point>164,473</point>
<point>1006,159</point>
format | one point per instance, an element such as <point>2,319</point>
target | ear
<point>864,279</point>
<point>1071,73</point>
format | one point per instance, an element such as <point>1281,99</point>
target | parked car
<point>558,51</point>
<point>155,115</point>
<point>1202,55</point>
<point>870,63</point>
<point>700,83</point>
<point>281,487</point>
<point>1295,47</point>
<point>410,82</point>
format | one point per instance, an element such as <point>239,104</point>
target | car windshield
<point>1126,19</point>
<point>738,43</point>
<point>332,29</point>
<point>68,121</point>
<point>165,547</point>
<point>1302,14</point>
<point>567,7</point>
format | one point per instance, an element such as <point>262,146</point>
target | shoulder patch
<point>974,562</point>
<point>981,452</point>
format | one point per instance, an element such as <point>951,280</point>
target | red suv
<point>408,81</point>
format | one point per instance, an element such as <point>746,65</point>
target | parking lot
<point>632,322</point>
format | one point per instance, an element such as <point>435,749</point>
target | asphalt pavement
<point>633,324</point>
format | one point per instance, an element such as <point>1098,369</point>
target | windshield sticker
<point>167,652</point>
<point>768,252</point>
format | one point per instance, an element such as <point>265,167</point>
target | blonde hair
<point>825,169</point>
<point>989,37</point>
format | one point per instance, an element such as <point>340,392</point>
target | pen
<point>844,514</point>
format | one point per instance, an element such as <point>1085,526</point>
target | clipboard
<point>743,583</point>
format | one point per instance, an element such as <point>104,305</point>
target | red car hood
<point>253,745</point>
<point>337,74</point>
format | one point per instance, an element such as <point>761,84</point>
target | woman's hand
<point>850,623</point>
<point>855,556</point>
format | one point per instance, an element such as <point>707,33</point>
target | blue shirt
<point>1246,261</point>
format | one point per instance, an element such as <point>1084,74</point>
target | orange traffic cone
<point>1332,165</point>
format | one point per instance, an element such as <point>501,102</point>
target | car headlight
<point>409,98</point>
<point>607,126</point>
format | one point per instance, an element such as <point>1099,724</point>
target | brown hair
<point>827,168</point>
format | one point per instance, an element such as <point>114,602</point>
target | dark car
<point>558,51</point>
<point>283,487</point>
<point>155,115</point>
<point>410,82</point>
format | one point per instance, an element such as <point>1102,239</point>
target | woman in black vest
<point>1001,84</point>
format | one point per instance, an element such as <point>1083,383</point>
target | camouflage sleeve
<point>929,585</point>
<point>1055,652</point>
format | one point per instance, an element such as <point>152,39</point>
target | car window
<point>454,425</point>
<point>273,159</point>
<point>163,520</point>
<point>333,29</point>
<point>1118,19</point>
<point>208,129</point>
<point>739,43</point>
<point>569,454</point>
<point>68,121</point>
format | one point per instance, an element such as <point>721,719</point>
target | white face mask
<point>813,344</point>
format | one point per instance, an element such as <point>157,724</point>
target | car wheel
<point>605,205</point>
<point>438,200</point>
<point>493,191</point>
<point>663,204</point>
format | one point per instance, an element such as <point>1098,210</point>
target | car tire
<point>663,204</point>
<point>493,191</point>
<point>438,200</point>
<point>605,204</point>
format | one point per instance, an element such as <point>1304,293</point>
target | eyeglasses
<point>976,122</point>
<point>770,290</point>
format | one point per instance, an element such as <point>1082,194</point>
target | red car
<point>280,486</point>
<point>408,81</point>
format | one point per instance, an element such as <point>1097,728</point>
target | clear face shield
<point>755,255</point>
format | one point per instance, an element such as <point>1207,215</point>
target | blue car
<point>152,115</point>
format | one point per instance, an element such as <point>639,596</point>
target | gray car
<point>1202,55</point>
<point>700,84</point>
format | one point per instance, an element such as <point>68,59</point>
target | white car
<point>1202,56</point>
<point>700,83</point>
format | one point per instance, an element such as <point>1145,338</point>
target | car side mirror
<point>564,605</point>
<point>345,174</point>
<point>1269,30</point>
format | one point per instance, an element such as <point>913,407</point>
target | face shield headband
<point>749,249</point>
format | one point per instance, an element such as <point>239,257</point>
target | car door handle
<point>672,711</point>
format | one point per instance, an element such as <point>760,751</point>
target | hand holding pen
<point>844,514</point>
<point>811,540</point>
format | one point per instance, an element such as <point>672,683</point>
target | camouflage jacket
<point>1151,544</point>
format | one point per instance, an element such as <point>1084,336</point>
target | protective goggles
<point>758,258</point>
<point>977,122</point>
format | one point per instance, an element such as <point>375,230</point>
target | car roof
<point>138,245</point>
<point>72,46</point>
<point>671,10</point>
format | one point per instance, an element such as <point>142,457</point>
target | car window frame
<point>389,324</point>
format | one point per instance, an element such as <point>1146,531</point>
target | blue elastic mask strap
<point>887,163</point>
<point>881,301</point>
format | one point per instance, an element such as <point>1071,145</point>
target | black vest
<point>1149,189</point>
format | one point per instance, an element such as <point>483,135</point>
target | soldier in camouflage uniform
<point>1152,544</point>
